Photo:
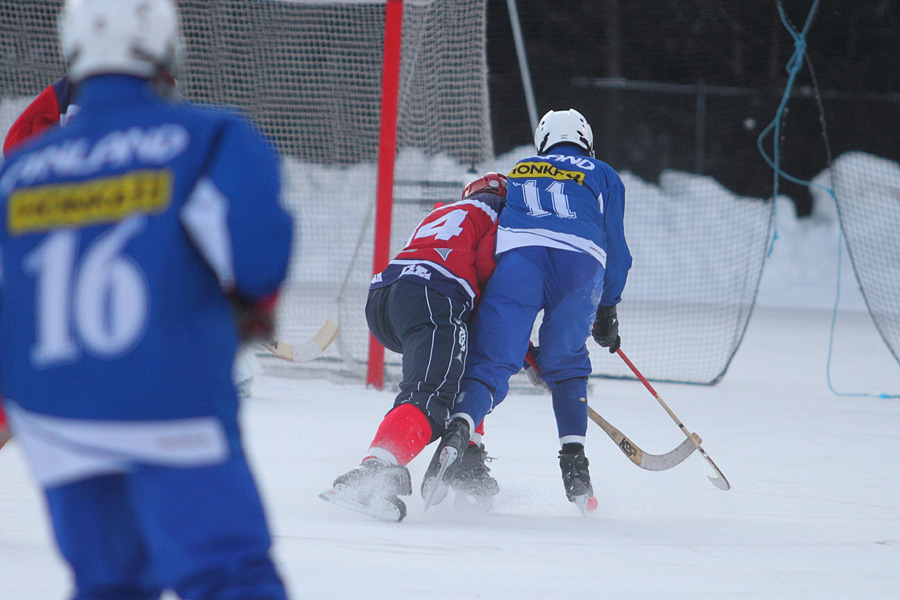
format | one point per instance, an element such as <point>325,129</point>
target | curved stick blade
<point>644,460</point>
<point>309,350</point>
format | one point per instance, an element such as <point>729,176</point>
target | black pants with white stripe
<point>430,331</point>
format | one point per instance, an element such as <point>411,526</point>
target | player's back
<point>121,230</point>
<point>451,249</point>
<point>559,199</point>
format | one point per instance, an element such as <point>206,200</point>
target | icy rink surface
<point>814,511</point>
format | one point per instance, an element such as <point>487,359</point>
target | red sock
<point>404,432</point>
<point>475,438</point>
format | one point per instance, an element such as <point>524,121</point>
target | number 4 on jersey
<point>444,227</point>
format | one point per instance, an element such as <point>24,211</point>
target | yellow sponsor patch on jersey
<point>545,169</point>
<point>101,200</point>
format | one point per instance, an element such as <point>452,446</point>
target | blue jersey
<point>123,234</point>
<point>567,200</point>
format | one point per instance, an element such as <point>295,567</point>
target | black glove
<point>254,319</point>
<point>606,328</point>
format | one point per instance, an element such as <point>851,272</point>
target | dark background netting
<point>734,51</point>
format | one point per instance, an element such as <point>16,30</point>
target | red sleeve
<point>37,116</point>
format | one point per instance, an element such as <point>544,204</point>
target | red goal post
<point>390,80</point>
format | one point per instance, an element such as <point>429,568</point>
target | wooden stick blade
<point>326,334</point>
<point>280,349</point>
<point>644,460</point>
<point>719,480</point>
<point>309,350</point>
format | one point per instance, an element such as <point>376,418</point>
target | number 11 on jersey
<point>559,202</point>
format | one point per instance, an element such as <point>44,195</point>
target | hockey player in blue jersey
<point>140,243</point>
<point>561,249</point>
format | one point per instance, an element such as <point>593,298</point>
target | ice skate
<point>577,480</point>
<point>372,488</point>
<point>444,463</point>
<point>473,482</point>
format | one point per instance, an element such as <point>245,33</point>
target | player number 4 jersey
<point>451,250</point>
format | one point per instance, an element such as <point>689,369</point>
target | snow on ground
<point>814,511</point>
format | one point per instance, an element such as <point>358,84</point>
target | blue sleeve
<point>246,171</point>
<point>618,257</point>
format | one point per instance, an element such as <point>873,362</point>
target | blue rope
<point>793,68</point>
<point>794,65</point>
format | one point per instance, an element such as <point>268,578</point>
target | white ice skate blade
<point>434,488</point>
<point>379,508</point>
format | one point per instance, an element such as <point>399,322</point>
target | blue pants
<point>567,286</point>
<point>199,531</point>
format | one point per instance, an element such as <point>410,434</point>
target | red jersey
<point>451,250</point>
<point>51,106</point>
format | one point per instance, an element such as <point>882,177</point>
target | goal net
<point>867,190</point>
<point>309,73</point>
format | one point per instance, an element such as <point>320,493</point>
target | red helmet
<point>489,182</point>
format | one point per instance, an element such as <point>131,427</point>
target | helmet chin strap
<point>544,143</point>
<point>588,146</point>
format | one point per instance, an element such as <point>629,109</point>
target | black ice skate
<point>372,489</point>
<point>473,480</point>
<point>445,461</point>
<point>577,480</point>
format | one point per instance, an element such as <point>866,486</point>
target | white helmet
<point>136,37</point>
<point>561,126</point>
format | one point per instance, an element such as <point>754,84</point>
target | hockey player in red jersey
<point>53,105</point>
<point>419,306</point>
